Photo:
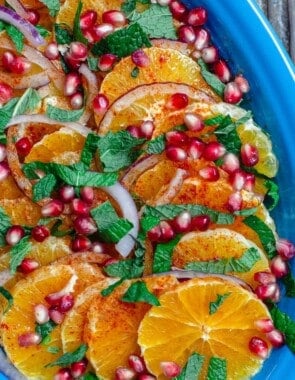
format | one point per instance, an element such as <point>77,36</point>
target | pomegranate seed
<point>23,146</point>
<point>276,296</point>
<point>197,16</point>
<point>182,222</point>
<point>77,101</point>
<point>237,179</point>
<point>66,303</point>
<point>116,18</point>
<point>202,39</point>
<point>210,173</point>
<point>134,131</point>
<point>230,163</point>
<point>20,65</point>
<point>249,155</point>
<point>264,278</point>
<point>264,325</point>
<point>63,374</point>
<point>235,202</point>
<point>279,267</point>
<point>196,54</point>
<point>90,36</point>
<point>87,194</point>
<point>175,153</point>
<point>6,92</point>
<point>210,54</point>
<point>170,369</point>
<point>276,338</point>
<point>88,19</point>
<point>79,368</point>
<point>193,122</point>
<point>14,234</point>
<point>177,101</point>
<point>106,62</point>
<point>221,69</point>
<point>72,83</point>
<point>28,266</point>
<point>53,208</point>
<point>40,233</point>
<point>7,59</point>
<point>242,83</point>
<point>73,64</point>
<point>264,292</point>
<point>81,243</point>
<point>3,152</point>
<point>249,181</point>
<point>33,16</point>
<point>136,363</point>
<point>51,51</point>
<point>178,10</point>
<point>98,247</point>
<point>164,3</point>
<point>4,171</point>
<point>80,207</point>
<point>41,313</point>
<point>200,222</point>
<point>186,34</point>
<point>101,31</point>
<point>146,376</point>
<point>213,151</point>
<point>100,104</point>
<point>154,234</point>
<point>140,58</point>
<point>78,51</point>
<point>123,373</point>
<point>177,138</point>
<point>285,249</point>
<point>232,93</point>
<point>56,316</point>
<point>146,129</point>
<point>85,225</point>
<point>167,232</point>
<point>66,193</point>
<point>195,148</point>
<point>258,347</point>
<point>29,339</point>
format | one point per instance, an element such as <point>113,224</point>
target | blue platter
<point>251,46</point>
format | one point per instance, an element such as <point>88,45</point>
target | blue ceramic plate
<point>248,41</point>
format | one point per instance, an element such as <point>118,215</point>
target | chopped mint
<point>44,187</point>
<point>130,5</point>
<point>92,63</point>
<point>192,369</point>
<point>16,36</point>
<point>89,149</point>
<point>107,291</point>
<point>265,234</point>
<point>7,295</point>
<point>18,252</point>
<point>28,102</point>
<point>215,120</point>
<point>213,81</point>
<point>77,33</point>
<point>122,42</point>
<point>246,211</point>
<point>227,134</point>
<point>135,72</point>
<point>42,31</point>
<point>45,329</point>
<point>70,357</point>
<point>89,376</point>
<point>217,369</point>
<point>53,349</point>
<point>223,266</point>
<point>63,35</point>
<point>130,268</point>
<point>156,145</point>
<point>138,292</point>
<point>6,113</point>
<point>156,22</point>
<point>285,324</point>
<point>215,305</point>
<point>272,196</point>
<point>52,5</point>
<point>5,221</point>
<point>163,255</point>
<point>30,169</point>
<point>59,114</point>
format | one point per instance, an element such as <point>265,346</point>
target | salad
<point>135,198</point>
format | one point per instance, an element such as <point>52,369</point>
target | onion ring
<point>92,91</point>
<point>173,188</point>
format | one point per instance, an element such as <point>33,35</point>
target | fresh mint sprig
<point>138,292</point>
<point>70,357</point>
<point>52,5</point>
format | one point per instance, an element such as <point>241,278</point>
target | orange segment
<point>182,325</point>
<point>21,211</point>
<point>9,189</point>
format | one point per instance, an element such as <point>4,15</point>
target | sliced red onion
<point>92,91</point>
<point>173,188</point>
<point>129,211</point>
<point>18,7</point>
<point>27,29</point>
<point>23,82</point>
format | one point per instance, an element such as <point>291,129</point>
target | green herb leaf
<point>44,187</point>
<point>16,36</point>
<point>59,114</point>
<point>45,329</point>
<point>163,256</point>
<point>215,305</point>
<point>246,211</point>
<point>92,63</point>
<point>28,102</point>
<point>89,376</point>
<point>213,81</point>
<point>7,295</point>
<point>6,113</point>
<point>215,120</point>
<point>42,31</point>
<point>53,349</point>
<point>18,252</point>
<point>272,195</point>
<point>156,22</point>
<point>135,72</point>
<point>192,369</point>
<point>89,149</point>
<point>289,282</point>
<point>217,369</point>
<point>55,231</point>
<point>130,268</point>
<point>5,222</point>
<point>77,33</point>
<point>52,5</point>
<point>122,42</point>
<point>156,145</point>
<point>265,234</point>
<point>285,324</point>
<point>107,291</point>
<point>128,6</point>
<point>70,357</point>
<point>63,35</point>
<point>227,135</point>
<point>30,169</point>
<point>138,292</point>
<point>241,265</point>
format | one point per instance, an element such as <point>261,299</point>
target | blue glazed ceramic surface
<point>248,41</point>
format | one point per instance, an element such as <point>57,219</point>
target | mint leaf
<point>89,149</point>
<point>289,282</point>
<point>70,357</point>
<point>63,35</point>
<point>128,6</point>
<point>7,295</point>
<point>217,369</point>
<point>246,211</point>
<point>130,268</point>
<point>138,292</point>
<point>215,305</point>
<point>5,222</point>
<point>223,266</point>
<point>272,196</point>
<point>77,33</point>
<point>28,102</point>
<point>52,5</point>
<point>6,113</point>
<point>265,234</point>
<point>92,63</point>
<point>285,324</point>
<point>215,120</point>
<point>42,31</point>
<point>192,369</point>
<point>156,145</point>
<point>59,114</point>
<point>163,256</point>
<point>227,135</point>
<point>30,169</point>
<point>18,252</point>
<point>89,376</point>
<point>135,72</point>
<point>45,329</point>
<point>156,22</point>
<point>111,228</point>
<point>16,36</point>
<point>107,291</point>
<point>213,81</point>
<point>44,187</point>
<point>122,42</point>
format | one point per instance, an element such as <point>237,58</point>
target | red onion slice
<point>18,7</point>
<point>173,188</point>
<point>92,91</point>
<point>23,82</point>
<point>28,30</point>
<point>129,211</point>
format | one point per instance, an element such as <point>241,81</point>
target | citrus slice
<point>9,189</point>
<point>182,325</point>
<point>216,246</point>
<point>111,330</point>
<point>21,210</point>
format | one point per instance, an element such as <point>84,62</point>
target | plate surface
<point>248,41</point>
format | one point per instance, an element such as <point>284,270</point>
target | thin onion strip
<point>92,91</point>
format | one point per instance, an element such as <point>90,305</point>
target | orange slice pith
<point>182,325</point>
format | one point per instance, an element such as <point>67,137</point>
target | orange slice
<point>21,211</point>
<point>182,325</point>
